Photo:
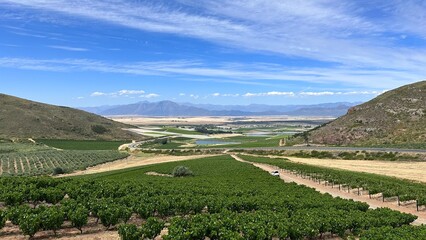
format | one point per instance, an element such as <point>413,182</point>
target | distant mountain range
<point>169,108</point>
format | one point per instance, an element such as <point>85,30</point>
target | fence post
<point>398,200</point>
<point>417,205</point>
<point>358,191</point>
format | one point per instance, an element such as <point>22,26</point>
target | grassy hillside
<point>20,118</point>
<point>395,118</point>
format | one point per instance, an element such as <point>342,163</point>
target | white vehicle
<point>275,173</point>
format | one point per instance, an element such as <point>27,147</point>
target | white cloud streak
<point>150,95</point>
<point>312,94</point>
<point>73,49</point>
<point>125,93</point>
<point>363,51</point>
<point>338,31</point>
<point>232,72</point>
<point>274,93</point>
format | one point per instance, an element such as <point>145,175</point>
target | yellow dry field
<point>135,161</point>
<point>409,170</point>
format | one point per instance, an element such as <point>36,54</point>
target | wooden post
<point>398,200</point>
<point>358,190</point>
<point>417,205</point>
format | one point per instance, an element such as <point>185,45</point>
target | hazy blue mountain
<point>169,108</point>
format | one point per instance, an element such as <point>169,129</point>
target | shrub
<point>110,216</point>
<point>152,228</point>
<point>99,129</point>
<point>182,171</point>
<point>58,170</point>
<point>78,217</point>
<point>29,224</point>
<point>52,218</point>
<point>129,232</point>
<point>2,219</point>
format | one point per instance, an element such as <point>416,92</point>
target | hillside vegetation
<point>395,118</point>
<point>20,118</point>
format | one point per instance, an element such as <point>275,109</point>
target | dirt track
<point>335,192</point>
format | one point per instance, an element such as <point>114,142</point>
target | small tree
<point>305,136</point>
<point>99,129</point>
<point>182,171</point>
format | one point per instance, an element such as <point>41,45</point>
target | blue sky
<point>89,53</point>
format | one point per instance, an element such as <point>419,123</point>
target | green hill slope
<point>397,118</point>
<point>20,118</point>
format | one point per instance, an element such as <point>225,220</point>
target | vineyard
<point>44,162</point>
<point>405,190</point>
<point>225,199</point>
<point>82,144</point>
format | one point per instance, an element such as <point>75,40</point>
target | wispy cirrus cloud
<point>310,94</point>
<point>338,31</point>
<point>232,72</point>
<point>67,48</point>
<point>327,93</point>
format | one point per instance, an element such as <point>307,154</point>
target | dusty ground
<point>134,161</point>
<point>408,170</point>
<point>335,192</point>
<point>91,231</point>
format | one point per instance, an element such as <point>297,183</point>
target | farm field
<point>220,120</point>
<point>405,190</point>
<point>29,159</point>
<point>225,199</point>
<point>44,162</point>
<point>82,144</point>
<point>408,170</point>
<point>134,161</point>
<point>237,142</point>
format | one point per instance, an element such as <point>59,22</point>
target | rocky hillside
<point>20,118</point>
<point>397,117</point>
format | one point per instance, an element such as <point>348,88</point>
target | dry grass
<point>134,161</point>
<point>407,170</point>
